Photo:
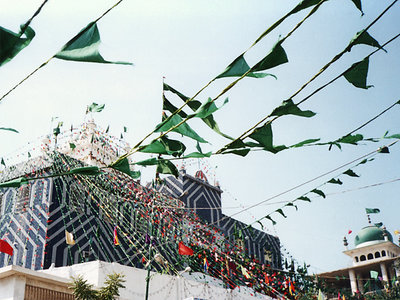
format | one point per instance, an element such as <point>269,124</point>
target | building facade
<point>374,262</point>
<point>59,217</point>
<point>205,200</point>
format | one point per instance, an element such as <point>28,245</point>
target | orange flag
<point>116,242</point>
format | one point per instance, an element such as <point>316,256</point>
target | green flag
<point>372,210</point>
<point>94,107</point>
<point>363,37</point>
<point>123,166</point>
<point>357,3</point>
<point>239,67</point>
<point>85,47</point>
<point>14,183</point>
<point>9,129</point>
<point>289,108</point>
<point>183,129</point>
<point>12,43</point>
<point>276,57</point>
<point>194,105</point>
<point>357,74</point>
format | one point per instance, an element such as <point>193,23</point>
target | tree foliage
<point>83,290</point>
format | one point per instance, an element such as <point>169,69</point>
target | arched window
<point>370,256</point>
<point>356,258</point>
<point>377,254</point>
<point>362,258</point>
<point>383,253</point>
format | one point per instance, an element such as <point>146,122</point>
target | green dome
<point>371,235</point>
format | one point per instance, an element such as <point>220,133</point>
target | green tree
<point>84,290</point>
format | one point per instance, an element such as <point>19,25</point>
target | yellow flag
<point>245,273</point>
<point>69,238</point>
<point>396,232</point>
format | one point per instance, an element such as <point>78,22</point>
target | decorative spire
<point>385,235</point>
<point>345,242</point>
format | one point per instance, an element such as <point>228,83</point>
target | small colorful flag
<point>350,231</point>
<point>245,273</point>
<point>205,265</point>
<point>291,287</point>
<point>396,232</point>
<point>5,247</point>
<point>321,296</point>
<point>266,278</point>
<point>69,238</point>
<point>116,242</point>
<point>184,250</point>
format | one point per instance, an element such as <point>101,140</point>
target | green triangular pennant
<point>357,74</point>
<point>238,68</point>
<point>12,43</point>
<point>85,47</point>
<point>276,57</point>
<point>289,108</point>
<point>183,129</point>
<point>363,37</point>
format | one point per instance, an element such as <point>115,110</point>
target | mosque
<point>57,217</point>
<point>375,262</point>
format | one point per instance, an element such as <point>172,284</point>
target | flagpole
<point>150,253</point>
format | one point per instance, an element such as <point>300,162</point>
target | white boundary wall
<point>186,286</point>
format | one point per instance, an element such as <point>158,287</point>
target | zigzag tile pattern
<point>25,231</point>
<point>205,200</point>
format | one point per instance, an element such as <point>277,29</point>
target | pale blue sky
<point>190,42</point>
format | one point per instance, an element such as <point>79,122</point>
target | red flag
<point>350,231</point>
<point>5,247</point>
<point>184,250</point>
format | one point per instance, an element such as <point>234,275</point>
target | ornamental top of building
<point>371,235</point>
<point>90,144</point>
